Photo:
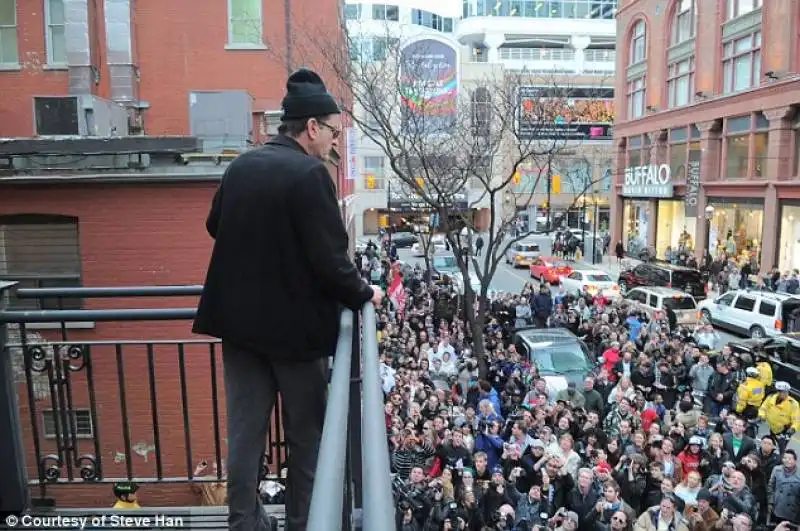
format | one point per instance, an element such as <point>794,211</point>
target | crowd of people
<point>660,436</point>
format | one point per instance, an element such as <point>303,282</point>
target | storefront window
<point>635,226</point>
<point>677,161</point>
<point>760,141</point>
<point>736,159</point>
<point>675,232</point>
<point>637,152</point>
<point>737,229</point>
<point>789,248</point>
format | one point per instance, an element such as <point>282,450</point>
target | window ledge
<point>245,46</point>
<point>81,325</point>
<point>6,67</point>
<point>56,67</point>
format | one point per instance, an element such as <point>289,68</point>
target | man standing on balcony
<point>279,273</point>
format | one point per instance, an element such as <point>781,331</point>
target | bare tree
<point>454,141</point>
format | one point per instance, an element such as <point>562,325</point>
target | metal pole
<point>355,486</point>
<point>379,512</point>
<point>14,496</point>
<point>594,230</point>
<point>327,499</point>
<point>549,194</point>
<point>583,224</point>
<point>389,208</point>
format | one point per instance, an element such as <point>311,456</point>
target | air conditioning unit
<point>82,115</point>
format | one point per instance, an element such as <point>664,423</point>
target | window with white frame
<point>352,12</point>
<point>737,8</point>
<point>683,24</point>
<point>385,12</point>
<point>375,166</point>
<point>638,51</point>
<point>8,33</point>
<point>741,63</point>
<point>245,23</point>
<point>680,82</point>
<point>56,39</point>
<point>636,97</point>
<point>63,423</point>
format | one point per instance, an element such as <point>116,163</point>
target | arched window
<point>638,50</point>
<point>684,21</point>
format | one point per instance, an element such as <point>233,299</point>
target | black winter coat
<point>280,269</point>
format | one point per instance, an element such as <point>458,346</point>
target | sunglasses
<point>334,131</point>
<point>618,519</point>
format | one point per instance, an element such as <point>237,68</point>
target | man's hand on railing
<point>377,295</point>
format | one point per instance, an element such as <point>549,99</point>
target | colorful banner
<point>577,114</point>
<point>428,87</point>
<point>352,154</point>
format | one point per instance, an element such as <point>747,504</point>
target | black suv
<point>664,274</point>
<point>783,353</point>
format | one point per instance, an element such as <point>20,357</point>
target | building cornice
<point>769,96</point>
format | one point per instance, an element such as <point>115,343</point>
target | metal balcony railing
<point>91,411</point>
<point>538,54</point>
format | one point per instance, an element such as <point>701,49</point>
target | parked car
<point>437,244</point>
<point>783,353</point>
<point>560,356</point>
<point>658,299</point>
<point>549,268</point>
<point>752,313</point>
<point>446,264</point>
<point>594,280</point>
<point>521,254</point>
<point>402,240</point>
<point>664,274</point>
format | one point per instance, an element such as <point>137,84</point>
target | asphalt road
<point>509,279</point>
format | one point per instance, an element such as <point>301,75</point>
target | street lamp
<point>709,216</point>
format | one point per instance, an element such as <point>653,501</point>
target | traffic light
<point>420,182</point>
<point>371,182</point>
<point>517,178</point>
<point>556,184</point>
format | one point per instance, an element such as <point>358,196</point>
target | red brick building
<point>707,128</point>
<point>136,217</point>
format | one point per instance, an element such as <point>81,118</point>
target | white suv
<point>652,299</point>
<point>752,313</point>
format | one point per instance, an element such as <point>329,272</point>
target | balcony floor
<point>206,518</point>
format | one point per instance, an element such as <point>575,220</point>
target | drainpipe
<point>119,42</point>
<point>287,26</point>
<point>79,51</point>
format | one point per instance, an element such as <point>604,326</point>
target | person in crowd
<point>125,496</point>
<point>655,438</point>
<point>262,303</point>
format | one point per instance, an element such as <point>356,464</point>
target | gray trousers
<point>252,384</point>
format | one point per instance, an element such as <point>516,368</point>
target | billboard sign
<point>572,114</point>
<point>428,87</point>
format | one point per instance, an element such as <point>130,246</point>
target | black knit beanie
<point>306,97</point>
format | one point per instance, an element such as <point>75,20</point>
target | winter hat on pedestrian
<point>705,494</point>
<point>306,97</point>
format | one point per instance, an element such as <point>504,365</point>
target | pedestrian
<point>278,274</point>
<point>478,245</point>
<point>619,250</point>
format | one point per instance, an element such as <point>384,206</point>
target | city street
<point>510,279</point>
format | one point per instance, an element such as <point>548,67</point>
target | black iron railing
<point>97,406</point>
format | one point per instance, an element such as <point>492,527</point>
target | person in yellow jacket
<point>125,493</point>
<point>750,395</point>
<point>782,413</point>
<point>764,369</point>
